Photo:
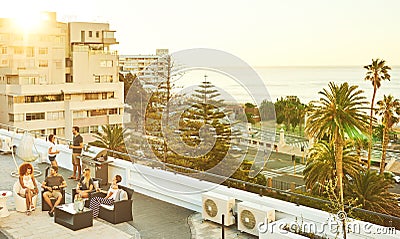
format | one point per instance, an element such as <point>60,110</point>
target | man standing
<point>53,184</point>
<point>77,145</point>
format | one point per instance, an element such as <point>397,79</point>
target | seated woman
<point>108,200</point>
<point>28,185</point>
<point>85,185</point>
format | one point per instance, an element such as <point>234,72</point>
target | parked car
<point>397,179</point>
<point>236,148</point>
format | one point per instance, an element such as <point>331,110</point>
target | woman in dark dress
<point>85,185</point>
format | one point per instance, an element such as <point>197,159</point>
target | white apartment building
<point>140,65</point>
<point>59,75</point>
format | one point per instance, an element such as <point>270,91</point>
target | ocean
<point>306,82</point>
<point>276,82</point>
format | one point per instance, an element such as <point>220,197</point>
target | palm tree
<point>111,137</point>
<point>376,72</point>
<point>371,191</point>
<point>321,168</point>
<point>388,108</point>
<point>337,115</point>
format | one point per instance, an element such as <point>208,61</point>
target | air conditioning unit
<point>251,214</point>
<point>215,205</point>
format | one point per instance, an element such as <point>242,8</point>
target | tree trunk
<point>370,128</point>
<point>339,172</point>
<point>385,142</point>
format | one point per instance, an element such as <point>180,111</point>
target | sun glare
<point>28,22</point>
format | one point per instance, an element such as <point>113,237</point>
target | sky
<point>260,32</point>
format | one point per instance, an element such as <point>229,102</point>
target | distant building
<point>58,76</point>
<point>144,66</point>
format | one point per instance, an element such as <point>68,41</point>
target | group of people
<point>54,182</point>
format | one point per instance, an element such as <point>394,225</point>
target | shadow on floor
<point>155,219</point>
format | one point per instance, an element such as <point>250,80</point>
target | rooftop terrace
<point>157,211</point>
<point>152,218</point>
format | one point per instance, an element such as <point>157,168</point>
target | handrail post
<point>223,226</point>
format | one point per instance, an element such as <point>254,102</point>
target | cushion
<point>108,207</point>
<point>123,195</point>
<point>117,195</point>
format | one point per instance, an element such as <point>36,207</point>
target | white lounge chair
<point>20,202</point>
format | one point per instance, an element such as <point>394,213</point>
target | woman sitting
<point>28,185</point>
<point>85,185</point>
<point>108,200</point>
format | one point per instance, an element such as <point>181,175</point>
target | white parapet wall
<point>187,192</point>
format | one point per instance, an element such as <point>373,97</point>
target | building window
<point>43,63</point>
<point>104,95</point>
<point>18,99</point>
<point>84,130</point>
<point>55,115</point>
<point>42,98</point>
<point>38,132</point>
<point>97,34</point>
<point>10,101</point>
<point>43,51</point>
<point>98,112</point>
<point>18,50</point>
<point>42,80</point>
<point>60,131</point>
<point>68,78</point>
<point>94,129</point>
<point>90,33</point>
<point>113,111</point>
<point>96,79</point>
<point>80,114</point>
<point>67,97</point>
<point>108,34</point>
<point>4,50</point>
<point>35,116</point>
<point>4,62</point>
<point>106,63</point>
<point>16,117</point>
<point>91,96</point>
<point>30,52</point>
<point>25,80</point>
<point>110,78</point>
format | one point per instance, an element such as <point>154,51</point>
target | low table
<point>3,203</point>
<point>75,220</point>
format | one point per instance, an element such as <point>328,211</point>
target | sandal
<point>71,177</point>
<point>32,208</point>
<point>28,213</point>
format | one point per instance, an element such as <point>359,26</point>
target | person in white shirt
<point>108,200</point>
<point>28,185</point>
<point>52,151</point>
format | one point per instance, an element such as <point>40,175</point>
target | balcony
<point>110,41</point>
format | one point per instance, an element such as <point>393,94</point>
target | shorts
<point>55,193</point>
<point>52,158</point>
<point>75,159</point>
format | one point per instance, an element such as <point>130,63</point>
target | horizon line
<point>311,66</point>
